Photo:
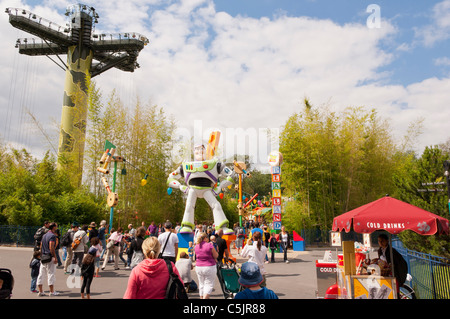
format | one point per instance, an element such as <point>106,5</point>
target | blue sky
<point>255,57</point>
<point>406,15</point>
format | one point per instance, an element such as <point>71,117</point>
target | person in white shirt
<point>169,250</point>
<point>256,252</point>
<point>78,252</point>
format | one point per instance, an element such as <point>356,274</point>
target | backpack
<point>175,288</point>
<point>66,240</point>
<point>40,233</point>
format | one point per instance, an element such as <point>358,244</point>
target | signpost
<point>275,161</point>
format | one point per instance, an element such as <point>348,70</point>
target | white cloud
<point>439,28</point>
<point>243,72</point>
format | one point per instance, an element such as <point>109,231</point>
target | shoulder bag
<point>76,242</point>
<point>160,256</point>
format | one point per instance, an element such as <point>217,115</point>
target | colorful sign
<point>276,193</point>
<point>276,209</point>
<point>275,160</point>
<point>275,170</point>
<point>277,217</point>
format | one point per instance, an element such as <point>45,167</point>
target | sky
<point>243,66</point>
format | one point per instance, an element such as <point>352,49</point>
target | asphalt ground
<point>293,280</point>
<point>295,284</point>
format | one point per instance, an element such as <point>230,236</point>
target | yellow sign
<point>374,287</point>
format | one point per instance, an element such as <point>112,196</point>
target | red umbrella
<point>393,216</point>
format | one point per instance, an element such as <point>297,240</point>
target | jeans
<point>284,246</point>
<point>33,283</point>
<point>103,241</point>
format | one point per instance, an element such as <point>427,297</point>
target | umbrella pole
<point>392,256</point>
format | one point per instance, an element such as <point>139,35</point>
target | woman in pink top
<point>148,280</point>
<point>205,265</point>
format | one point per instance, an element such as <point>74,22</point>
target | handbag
<point>110,245</point>
<point>160,256</point>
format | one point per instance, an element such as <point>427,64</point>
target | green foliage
<point>32,191</point>
<point>408,181</point>
<point>334,163</point>
<point>143,137</point>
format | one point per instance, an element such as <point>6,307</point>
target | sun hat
<point>250,275</point>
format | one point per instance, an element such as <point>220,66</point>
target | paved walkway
<point>293,280</point>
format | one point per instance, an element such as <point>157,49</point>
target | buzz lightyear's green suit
<point>202,181</point>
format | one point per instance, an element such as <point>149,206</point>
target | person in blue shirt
<point>251,279</point>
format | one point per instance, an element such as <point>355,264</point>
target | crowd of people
<point>151,252</point>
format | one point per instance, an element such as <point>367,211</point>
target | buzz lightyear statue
<point>202,181</point>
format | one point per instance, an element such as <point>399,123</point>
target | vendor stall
<point>360,277</point>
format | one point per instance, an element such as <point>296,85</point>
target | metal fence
<point>431,274</point>
<point>20,235</point>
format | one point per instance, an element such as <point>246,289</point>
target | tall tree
<point>427,169</point>
<point>334,163</point>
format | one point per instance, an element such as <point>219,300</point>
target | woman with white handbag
<point>112,247</point>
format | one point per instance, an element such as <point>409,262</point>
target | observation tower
<point>88,55</point>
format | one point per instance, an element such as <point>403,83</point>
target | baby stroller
<point>6,283</point>
<point>229,279</point>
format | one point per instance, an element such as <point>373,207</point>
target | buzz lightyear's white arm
<point>226,173</point>
<point>173,182</point>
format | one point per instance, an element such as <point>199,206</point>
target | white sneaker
<point>40,294</point>
<point>287,261</point>
<point>55,293</point>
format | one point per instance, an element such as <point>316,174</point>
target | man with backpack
<point>66,241</point>
<point>39,234</point>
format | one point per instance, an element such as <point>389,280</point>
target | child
<point>251,279</point>
<point>87,271</point>
<point>184,266</point>
<point>273,244</point>
<point>35,264</point>
<point>212,240</point>
<point>95,242</point>
<point>191,251</point>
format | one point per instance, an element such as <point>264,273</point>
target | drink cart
<point>359,280</point>
<point>326,274</point>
